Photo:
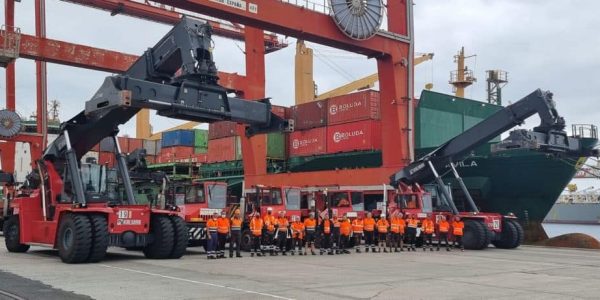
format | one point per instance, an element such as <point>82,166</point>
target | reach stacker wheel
<point>12,231</point>
<point>74,238</point>
<point>475,235</point>
<point>162,244</point>
<point>512,235</point>
<point>181,237</point>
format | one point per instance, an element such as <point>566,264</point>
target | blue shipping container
<point>178,138</point>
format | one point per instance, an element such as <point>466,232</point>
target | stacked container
<point>176,145</point>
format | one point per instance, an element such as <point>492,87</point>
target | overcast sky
<point>542,44</point>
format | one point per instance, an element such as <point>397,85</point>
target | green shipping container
<point>440,117</point>
<point>276,145</point>
<point>200,141</point>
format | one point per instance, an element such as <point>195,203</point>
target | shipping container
<point>135,144</point>
<point>106,158</point>
<point>182,137</point>
<point>221,129</point>
<point>280,111</point>
<point>200,141</point>
<point>363,135</point>
<point>150,159</point>
<point>196,159</point>
<point>308,142</point>
<point>150,146</point>
<point>124,144</point>
<point>178,151</point>
<point>224,149</point>
<point>354,107</point>
<point>276,145</point>
<point>310,115</point>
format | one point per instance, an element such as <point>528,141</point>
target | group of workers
<point>270,234</point>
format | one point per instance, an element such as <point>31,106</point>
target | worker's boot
<point>251,254</point>
<point>230,255</point>
<point>431,248</point>
<point>396,250</point>
<point>238,255</point>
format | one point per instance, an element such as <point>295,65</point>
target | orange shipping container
<point>106,158</point>
<point>135,144</point>
<point>308,142</point>
<point>124,144</point>
<point>178,152</point>
<point>224,149</point>
<point>354,107</point>
<point>356,136</point>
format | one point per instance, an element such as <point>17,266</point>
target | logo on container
<point>296,143</point>
<point>340,136</point>
<point>343,107</point>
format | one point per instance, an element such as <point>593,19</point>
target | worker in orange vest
<point>335,233</point>
<point>282,233</point>
<point>326,227</point>
<point>357,232</point>
<point>397,225</point>
<point>256,227</point>
<point>369,227</point>
<point>310,228</point>
<point>411,230</point>
<point>427,227</point>
<point>212,236</point>
<point>269,233</point>
<point>345,231</point>
<point>297,235</point>
<point>382,231</point>
<point>443,231</point>
<point>457,231</point>
<point>222,233</point>
<point>236,234</point>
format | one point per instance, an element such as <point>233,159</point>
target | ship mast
<point>462,77</point>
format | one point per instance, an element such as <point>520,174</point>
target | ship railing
<point>321,6</point>
<point>585,131</point>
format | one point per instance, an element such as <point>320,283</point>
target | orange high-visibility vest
<point>223,225</point>
<point>457,228</point>
<point>357,226</point>
<point>444,226</point>
<point>382,225</point>
<point>326,226</point>
<point>310,225</point>
<point>212,225</point>
<point>336,222</point>
<point>269,221</point>
<point>282,223</point>
<point>236,224</point>
<point>402,225</point>
<point>345,228</point>
<point>428,226</point>
<point>256,226</point>
<point>412,223</point>
<point>297,229</point>
<point>395,225</point>
<point>369,224</point>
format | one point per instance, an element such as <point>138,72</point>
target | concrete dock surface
<point>524,273</point>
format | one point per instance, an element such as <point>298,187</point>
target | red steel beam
<point>87,57</point>
<point>9,21</point>
<point>290,20</point>
<point>166,16</point>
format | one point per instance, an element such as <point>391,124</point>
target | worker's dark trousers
<point>443,236</point>
<point>267,244</point>
<point>325,243</point>
<point>221,245</point>
<point>297,245</point>
<point>236,239</point>
<point>256,246</point>
<point>357,241</point>
<point>369,241</point>
<point>212,243</point>
<point>394,240</point>
<point>335,239</point>
<point>458,242</point>
<point>412,236</point>
<point>282,241</point>
<point>383,241</point>
<point>427,240</point>
<point>344,242</point>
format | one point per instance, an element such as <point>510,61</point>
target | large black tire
<point>99,237</point>
<point>74,238</point>
<point>12,235</point>
<point>163,238</point>
<point>488,236</point>
<point>246,240</point>
<point>509,237</point>
<point>474,235</point>
<point>181,237</point>
<point>520,233</point>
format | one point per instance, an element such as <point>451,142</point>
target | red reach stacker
<point>76,208</point>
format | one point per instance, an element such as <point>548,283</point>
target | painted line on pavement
<point>196,282</point>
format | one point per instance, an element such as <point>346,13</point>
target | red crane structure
<point>392,49</point>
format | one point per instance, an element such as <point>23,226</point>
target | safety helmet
<point>282,212</point>
<point>311,214</point>
<point>269,208</point>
